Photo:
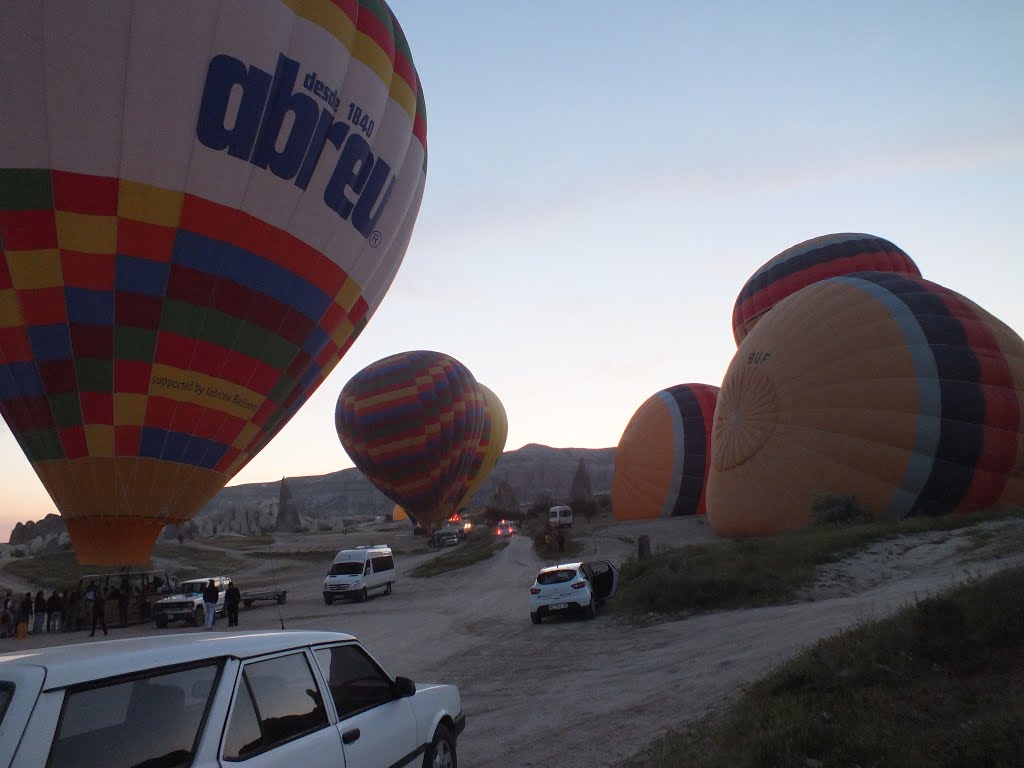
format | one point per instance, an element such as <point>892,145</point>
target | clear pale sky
<point>605,176</point>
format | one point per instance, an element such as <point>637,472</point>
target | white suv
<point>572,588</point>
<point>313,699</point>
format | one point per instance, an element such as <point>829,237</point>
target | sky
<point>604,176</point>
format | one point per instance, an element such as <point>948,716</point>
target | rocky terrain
<point>339,499</point>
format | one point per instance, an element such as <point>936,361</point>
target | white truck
<point>186,603</point>
<point>314,699</point>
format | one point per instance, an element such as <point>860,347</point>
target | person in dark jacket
<point>40,613</point>
<point>124,595</point>
<point>53,610</point>
<point>99,610</point>
<point>232,597</point>
<point>210,596</point>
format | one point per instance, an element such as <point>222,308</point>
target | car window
<point>355,680</point>
<point>349,568</point>
<point>366,568</point>
<point>155,719</point>
<point>6,694</point>
<point>556,577</point>
<point>277,701</point>
<point>383,563</point>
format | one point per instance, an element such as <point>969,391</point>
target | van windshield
<point>350,568</point>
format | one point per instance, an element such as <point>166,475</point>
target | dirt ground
<point>574,693</point>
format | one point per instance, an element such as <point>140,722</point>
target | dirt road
<point>572,693</point>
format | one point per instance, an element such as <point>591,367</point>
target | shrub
<point>839,509</point>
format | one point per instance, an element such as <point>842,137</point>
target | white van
<point>357,572</point>
<point>560,517</point>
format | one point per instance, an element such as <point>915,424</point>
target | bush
<point>839,509</point>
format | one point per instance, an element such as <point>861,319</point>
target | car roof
<point>83,662</point>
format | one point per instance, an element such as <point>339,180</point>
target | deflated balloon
<point>412,424</point>
<point>809,262</point>
<point>488,451</point>
<point>199,212</point>
<point>885,387</point>
<point>661,462</point>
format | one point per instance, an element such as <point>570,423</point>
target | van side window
<point>383,563</point>
<point>356,682</point>
<point>366,569</point>
<point>277,701</point>
<point>147,720</point>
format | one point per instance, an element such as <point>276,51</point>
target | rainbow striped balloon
<point>807,263</point>
<point>199,213</point>
<point>412,424</point>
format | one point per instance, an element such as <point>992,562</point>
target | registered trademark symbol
<point>375,238</point>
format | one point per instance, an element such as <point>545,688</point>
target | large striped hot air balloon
<point>661,462</point>
<point>411,423</point>
<point>809,262</point>
<point>885,387</point>
<point>488,451</point>
<point>200,210</point>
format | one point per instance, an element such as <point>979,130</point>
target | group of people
<point>71,610</point>
<point>55,613</point>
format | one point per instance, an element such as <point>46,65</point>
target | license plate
<point>558,606</point>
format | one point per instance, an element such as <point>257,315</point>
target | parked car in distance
<point>313,699</point>
<point>443,538</point>
<point>560,517</point>
<point>357,572</point>
<point>506,528</point>
<point>572,588</point>
<point>186,603</point>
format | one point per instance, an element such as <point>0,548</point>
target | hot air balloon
<point>199,212</point>
<point>411,423</point>
<point>488,451</point>
<point>661,462</point>
<point>885,387</point>
<point>808,262</point>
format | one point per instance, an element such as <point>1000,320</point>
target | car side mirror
<point>404,687</point>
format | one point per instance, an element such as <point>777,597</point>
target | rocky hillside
<point>329,501</point>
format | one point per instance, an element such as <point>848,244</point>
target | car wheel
<point>387,589</point>
<point>198,617</point>
<point>161,622</point>
<point>592,608</point>
<point>328,599</point>
<point>441,752</point>
<point>282,598</point>
<point>361,595</point>
<point>535,617</point>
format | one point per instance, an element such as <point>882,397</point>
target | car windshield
<point>555,577</point>
<point>350,568</point>
<point>191,587</point>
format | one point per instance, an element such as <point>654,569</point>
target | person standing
<point>210,596</point>
<point>99,610</point>
<point>40,613</point>
<point>25,614</point>
<point>53,609</point>
<point>232,598</point>
<point>123,597</point>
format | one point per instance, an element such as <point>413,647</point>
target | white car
<point>302,698</point>
<point>572,588</point>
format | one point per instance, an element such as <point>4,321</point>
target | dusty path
<point>574,693</point>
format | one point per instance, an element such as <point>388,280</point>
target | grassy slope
<point>937,685</point>
<point>755,572</point>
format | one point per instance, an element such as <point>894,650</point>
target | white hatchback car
<point>572,588</point>
<point>310,699</point>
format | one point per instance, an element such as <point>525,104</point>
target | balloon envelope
<point>661,462</point>
<point>808,262</point>
<point>488,451</point>
<point>199,212</point>
<point>412,423</point>
<point>886,387</point>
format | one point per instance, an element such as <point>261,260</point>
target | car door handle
<point>349,736</point>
